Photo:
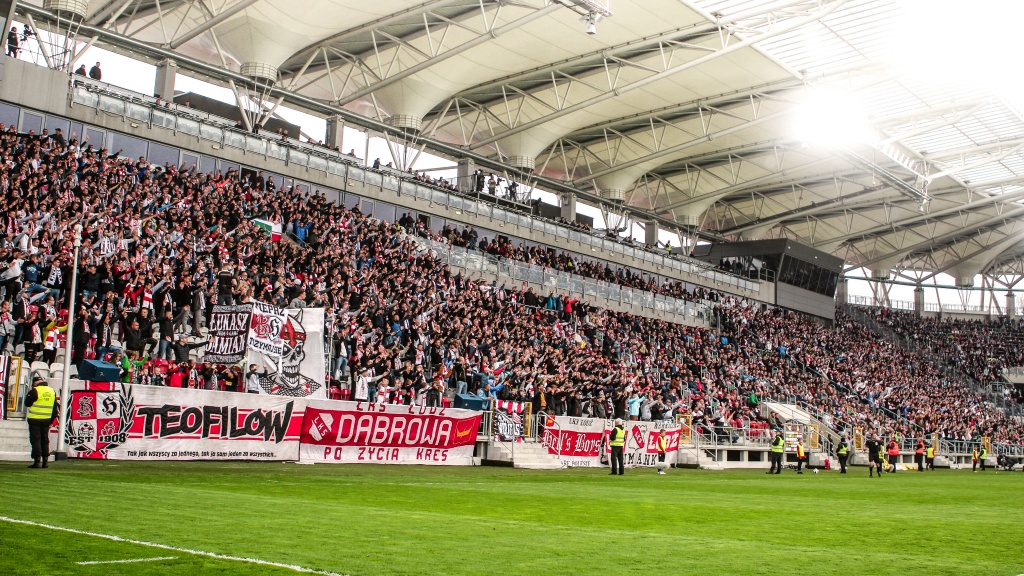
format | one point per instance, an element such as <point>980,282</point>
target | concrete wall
<point>788,296</point>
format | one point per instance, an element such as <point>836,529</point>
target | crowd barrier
<point>135,422</point>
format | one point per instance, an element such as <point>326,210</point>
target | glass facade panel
<point>112,105</point>
<point>188,126</point>
<point>54,122</point>
<point>207,132</point>
<point>138,112</point>
<point>162,155</point>
<point>128,146</point>
<point>234,139</point>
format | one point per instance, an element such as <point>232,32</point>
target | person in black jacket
<point>875,451</point>
<point>145,322</point>
<point>12,42</point>
<point>166,325</point>
<point>90,280</point>
<point>22,312</point>
<point>133,338</point>
<point>183,348</point>
<point>81,338</point>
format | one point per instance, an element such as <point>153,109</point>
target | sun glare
<point>964,43</point>
<point>831,118</point>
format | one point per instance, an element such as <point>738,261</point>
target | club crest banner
<point>265,327</point>
<point>129,422</point>
<point>361,432</point>
<point>298,371</point>
<point>229,330</point>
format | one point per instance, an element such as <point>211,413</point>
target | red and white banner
<point>362,432</point>
<point>134,422</point>
<point>299,369</point>
<point>583,442</point>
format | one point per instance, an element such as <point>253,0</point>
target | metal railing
<point>561,282</point>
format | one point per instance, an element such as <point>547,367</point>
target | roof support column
<point>842,290</point>
<point>335,133</point>
<point>166,72</point>
<point>651,230</point>
<point>568,206</point>
<point>919,300</point>
<point>1011,305</point>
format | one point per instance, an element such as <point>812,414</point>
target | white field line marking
<point>291,567</point>
<point>132,561</point>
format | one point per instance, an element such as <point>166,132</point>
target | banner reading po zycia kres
<point>156,423</point>
<point>360,432</point>
<point>583,442</point>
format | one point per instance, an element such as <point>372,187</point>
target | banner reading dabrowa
<point>360,432</point>
<point>229,330</point>
<point>583,442</point>
<point>133,422</point>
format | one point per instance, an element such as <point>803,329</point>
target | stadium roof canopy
<point>843,124</point>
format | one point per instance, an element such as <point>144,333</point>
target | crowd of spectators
<point>979,348</point>
<point>553,258</point>
<point>161,245</point>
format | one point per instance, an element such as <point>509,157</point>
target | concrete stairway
<point>687,456</point>
<point>528,455</point>
<point>14,440</point>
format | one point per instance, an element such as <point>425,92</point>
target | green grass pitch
<point>364,519</point>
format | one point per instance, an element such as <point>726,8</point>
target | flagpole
<point>65,378</point>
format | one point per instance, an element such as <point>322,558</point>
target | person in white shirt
<point>252,380</point>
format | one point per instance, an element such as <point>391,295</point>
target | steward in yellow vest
<point>929,457</point>
<point>617,440</point>
<point>843,452</point>
<point>41,402</point>
<point>801,455</point>
<point>662,445</point>
<point>778,447</point>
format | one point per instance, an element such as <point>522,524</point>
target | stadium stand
<point>163,243</point>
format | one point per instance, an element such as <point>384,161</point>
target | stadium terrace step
<point>14,440</point>
<point>527,455</point>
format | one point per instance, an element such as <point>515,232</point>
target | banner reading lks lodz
<point>155,423</point>
<point>578,442</point>
<point>359,432</point>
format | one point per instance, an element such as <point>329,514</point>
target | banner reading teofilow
<point>360,432</point>
<point>156,423</point>
<point>299,370</point>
